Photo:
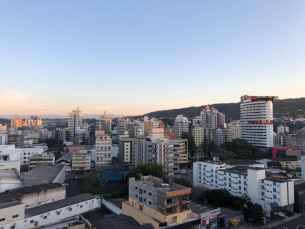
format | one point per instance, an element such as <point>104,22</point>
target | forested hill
<point>282,107</point>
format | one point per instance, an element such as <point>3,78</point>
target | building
<point>65,159</point>
<point>16,123</point>
<point>26,153</point>
<point>298,140</point>
<point>289,163</point>
<point>9,157</point>
<point>171,154</point>
<point>105,123</point>
<point>256,118</point>
<point>60,134</point>
<point>41,159</point>
<point>212,118</point>
<point>121,127</point>
<point>263,188</point>
<point>10,179</point>
<point>103,143</point>
<point>14,215</point>
<point>282,140</point>
<point>163,205</point>
<point>222,134</point>
<point>127,150</point>
<point>299,197</point>
<point>16,139</point>
<point>75,119</point>
<point>81,161</point>
<point>3,129</point>
<point>181,125</point>
<point>198,134</point>
<point>36,195</point>
<point>33,121</point>
<point>44,174</point>
<point>283,129</point>
<point>2,139</point>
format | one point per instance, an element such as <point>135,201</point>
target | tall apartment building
<point>103,144</point>
<point>163,205</point>
<point>16,139</point>
<point>105,123</point>
<point>222,135</point>
<point>59,134</point>
<point>263,188</point>
<point>127,150</point>
<point>256,118</point>
<point>171,154</point>
<point>298,140</point>
<point>181,125</point>
<point>121,127</point>
<point>33,121</point>
<point>75,119</point>
<point>212,118</point>
<point>16,122</point>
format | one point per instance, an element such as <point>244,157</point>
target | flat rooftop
<point>58,204</point>
<point>34,189</point>
<point>8,175</point>
<point>10,204</point>
<point>119,222</point>
<point>41,174</point>
<point>229,213</point>
<point>240,162</point>
<point>199,208</point>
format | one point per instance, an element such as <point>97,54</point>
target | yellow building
<point>153,201</point>
<point>16,122</point>
<point>289,164</point>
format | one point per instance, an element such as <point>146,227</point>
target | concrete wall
<point>10,184</point>
<point>9,212</point>
<point>10,165</point>
<point>44,197</point>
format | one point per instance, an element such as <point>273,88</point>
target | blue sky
<point>137,56</point>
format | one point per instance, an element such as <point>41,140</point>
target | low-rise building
<point>36,195</point>
<point>14,215</point>
<point>81,161</point>
<point>41,159</point>
<point>162,205</point>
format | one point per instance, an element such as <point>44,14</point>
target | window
<point>15,216</point>
<point>149,193</point>
<point>136,187</point>
<point>274,196</point>
<point>184,197</point>
<point>32,221</point>
<point>169,210</point>
<point>149,211</point>
<point>2,219</point>
<point>58,213</point>
<point>45,217</point>
<point>184,207</point>
<point>70,209</point>
<point>149,202</point>
<point>81,206</point>
<point>169,201</point>
<point>263,193</point>
<point>274,189</point>
<point>136,196</point>
<point>239,176</point>
<point>262,181</point>
<point>274,183</point>
<point>12,227</point>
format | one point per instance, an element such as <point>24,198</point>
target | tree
<point>243,201</point>
<point>192,148</point>
<point>92,178</point>
<point>51,142</point>
<point>205,147</point>
<point>255,212</point>
<point>183,182</point>
<point>148,169</point>
<point>274,164</point>
<point>222,154</point>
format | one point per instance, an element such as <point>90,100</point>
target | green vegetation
<point>282,107</point>
<point>183,182</point>
<point>168,121</point>
<point>91,184</point>
<point>274,164</point>
<point>148,169</point>
<point>223,198</point>
<point>192,148</point>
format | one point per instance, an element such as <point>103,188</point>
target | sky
<point>137,56</point>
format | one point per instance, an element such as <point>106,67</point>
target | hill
<point>282,107</point>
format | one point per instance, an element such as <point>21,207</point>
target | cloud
<point>17,102</point>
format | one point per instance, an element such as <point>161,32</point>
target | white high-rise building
<point>103,149</point>
<point>256,118</point>
<point>181,125</point>
<point>75,119</point>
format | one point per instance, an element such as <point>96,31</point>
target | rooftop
<point>8,175</point>
<point>119,222</point>
<point>66,156</point>
<point>10,204</point>
<point>41,174</point>
<point>199,208</point>
<point>229,213</point>
<point>239,162</point>
<point>33,189</point>
<point>241,169</point>
<point>58,204</point>
<point>42,155</point>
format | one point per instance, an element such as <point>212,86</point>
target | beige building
<point>11,212</point>
<point>16,122</point>
<point>41,159</point>
<point>289,164</point>
<point>198,134</point>
<point>103,145</point>
<point>163,205</point>
<point>81,160</point>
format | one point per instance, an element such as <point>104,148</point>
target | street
<point>291,224</point>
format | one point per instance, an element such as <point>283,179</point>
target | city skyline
<point>131,58</point>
